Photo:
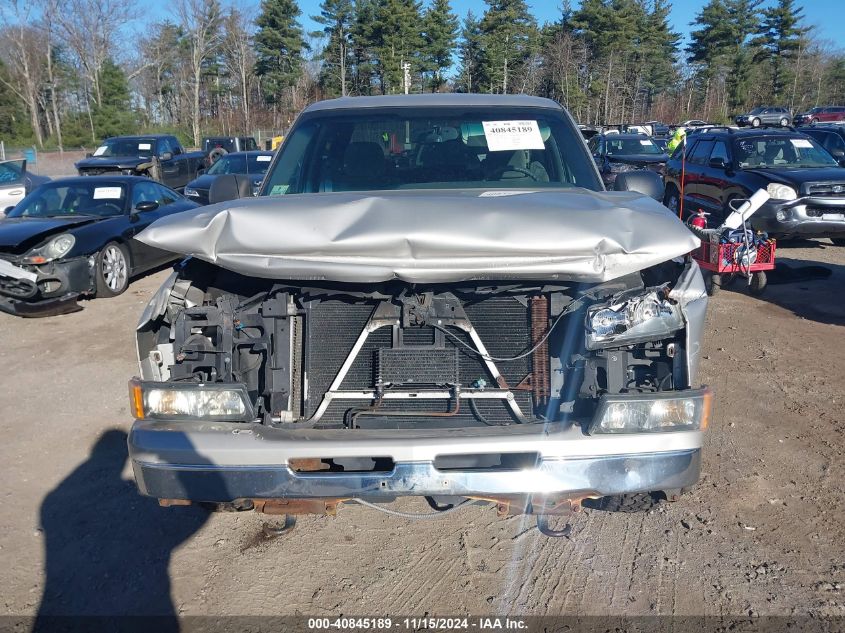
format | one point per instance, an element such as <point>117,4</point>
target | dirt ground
<point>762,533</point>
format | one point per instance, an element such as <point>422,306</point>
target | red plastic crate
<point>719,258</point>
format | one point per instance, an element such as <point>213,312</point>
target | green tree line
<point>69,78</point>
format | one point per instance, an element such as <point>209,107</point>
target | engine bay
<point>399,355</point>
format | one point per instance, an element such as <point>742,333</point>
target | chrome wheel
<point>784,122</point>
<point>114,269</point>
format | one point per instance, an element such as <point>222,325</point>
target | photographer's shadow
<point>107,548</point>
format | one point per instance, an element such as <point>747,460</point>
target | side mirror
<point>838,154</point>
<point>643,181</point>
<point>229,187</point>
<point>718,163</point>
<point>5,211</point>
<point>166,156</point>
<point>88,154</point>
<point>146,205</point>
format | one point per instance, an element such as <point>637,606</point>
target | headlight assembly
<point>653,412</point>
<point>781,192</point>
<point>194,401</point>
<point>632,319</point>
<point>56,248</point>
<point>618,168</point>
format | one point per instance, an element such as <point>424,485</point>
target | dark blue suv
<point>806,184</point>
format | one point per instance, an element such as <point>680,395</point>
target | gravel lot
<point>762,534</point>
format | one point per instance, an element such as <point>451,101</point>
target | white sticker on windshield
<point>501,194</point>
<point>100,150</point>
<point>510,135</point>
<point>646,143</point>
<point>801,142</point>
<point>145,146</point>
<point>263,159</point>
<point>108,193</point>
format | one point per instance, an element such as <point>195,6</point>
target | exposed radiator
<point>332,327</point>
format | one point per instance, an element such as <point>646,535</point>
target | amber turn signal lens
<point>706,408</point>
<point>136,399</point>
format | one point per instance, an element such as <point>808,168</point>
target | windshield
<point>144,147</point>
<point>774,152</point>
<point>241,164</point>
<point>631,146</point>
<point>53,200</point>
<point>432,148</point>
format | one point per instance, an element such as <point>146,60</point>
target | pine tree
<point>509,35</point>
<point>720,46</point>
<point>279,46</point>
<point>781,37</point>
<point>657,49</point>
<point>440,32</point>
<point>363,42</point>
<point>397,38</point>
<point>114,116</point>
<point>469,54</point>
<point>336,16</point>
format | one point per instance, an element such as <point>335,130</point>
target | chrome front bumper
<point>221,462</point>
<point>808,216</point>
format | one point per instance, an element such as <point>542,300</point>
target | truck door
<point>170,164</point>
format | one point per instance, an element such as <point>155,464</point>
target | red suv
<point>821,115</point>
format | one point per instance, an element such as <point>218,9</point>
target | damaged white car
<point>432,296</point>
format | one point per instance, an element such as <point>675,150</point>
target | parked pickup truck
<point>158,156</point>
<point>432,296</point>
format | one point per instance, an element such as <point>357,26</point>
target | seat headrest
<point>363,160</point>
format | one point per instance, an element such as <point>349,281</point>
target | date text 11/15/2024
<point>416,624</point>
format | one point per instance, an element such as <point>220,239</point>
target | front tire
<point>755,122</point>
<point>672,200</point>
<point>112,271</point>
<point>784,122</point>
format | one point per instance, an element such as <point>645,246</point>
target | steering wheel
<point>111,206</point>
<point>503,170</point>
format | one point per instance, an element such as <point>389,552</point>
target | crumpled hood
<point>639,159</point>
<point>426,236</point>
<point>798,176</point>
<point>119,162</point>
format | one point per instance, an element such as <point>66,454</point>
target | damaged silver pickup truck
<point>432,296</point>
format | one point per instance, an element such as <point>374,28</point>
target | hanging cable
<point>570,308</point>
<point>413,515</point>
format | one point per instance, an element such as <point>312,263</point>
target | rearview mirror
<point>644,181</point>
<point>166,155</point>
<point>146,205</point>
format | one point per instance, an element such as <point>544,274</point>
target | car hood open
<point>425,236</point>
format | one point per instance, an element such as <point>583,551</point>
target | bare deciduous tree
<point>201,21</point>
<point>25,56</point>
